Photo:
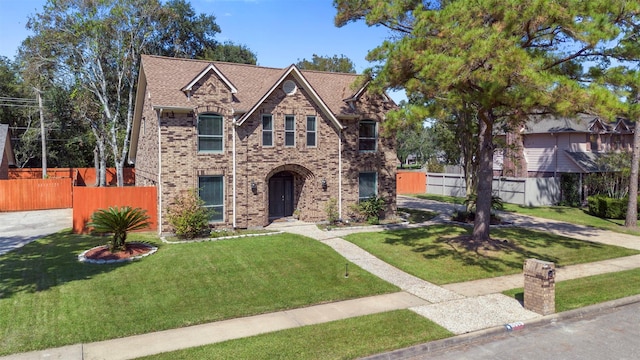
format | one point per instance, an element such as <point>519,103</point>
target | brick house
<point>259,143</point>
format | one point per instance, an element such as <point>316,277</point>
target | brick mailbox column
<point>539,286</point>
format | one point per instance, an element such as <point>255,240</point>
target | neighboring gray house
<point>548,146</point>
<point>259,143</point>
<point>7,158</point>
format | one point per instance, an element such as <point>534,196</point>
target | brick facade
<point>168,156</point>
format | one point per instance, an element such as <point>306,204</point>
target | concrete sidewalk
<point>475,307</point>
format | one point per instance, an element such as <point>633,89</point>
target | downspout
<point>340,174</point>
<point>159,182</point>
<point>234,125</point>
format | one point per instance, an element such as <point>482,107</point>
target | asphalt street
<point>610,335</point>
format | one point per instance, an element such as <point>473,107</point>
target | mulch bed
<point>132,250</point>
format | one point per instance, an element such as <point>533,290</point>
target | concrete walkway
<point>463,308</point>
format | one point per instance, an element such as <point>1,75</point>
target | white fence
<point>521,191</point>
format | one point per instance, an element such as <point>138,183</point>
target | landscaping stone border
<point>84,259</point>
<point>164,239</point>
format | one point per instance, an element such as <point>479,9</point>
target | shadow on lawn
<point>508,249</point>
<point>48,262</point>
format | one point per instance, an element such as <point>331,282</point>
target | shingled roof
<point>167,77</point>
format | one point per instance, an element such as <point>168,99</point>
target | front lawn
<point>577,293</point>
<point>435,254</point>
<point>344,339</point>
<point>49,299</point>
<point>559,213</point>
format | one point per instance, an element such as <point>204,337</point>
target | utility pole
<point>43,136</point>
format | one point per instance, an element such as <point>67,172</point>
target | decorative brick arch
<point>294,184</point>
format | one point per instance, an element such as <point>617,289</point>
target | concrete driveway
<point>21,227</point>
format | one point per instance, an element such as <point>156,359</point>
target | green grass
<point>49,299</point>
<point>577,293</point>
<point>344,339</point>
<point>442,198</point>
<point>560,213</point>
<point>432,253</point>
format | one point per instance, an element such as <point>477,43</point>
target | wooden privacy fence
<point>80,176</point>
<point>86,200</point>
<point>35,194</point>
<point>411,182</point>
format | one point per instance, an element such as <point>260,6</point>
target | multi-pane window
<point>311,131</point>
<point>267,130</point>
<point>289,130</point>
<point>211,191</point>
<point>367,185</point>
<point>367,135</point>
<point>210,133</point>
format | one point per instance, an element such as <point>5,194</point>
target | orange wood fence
<point>35,194</point>
<point>80,176</point>
<point>411,182</point>
<point>86,200</point>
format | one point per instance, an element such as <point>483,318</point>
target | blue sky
<point>280,32</point>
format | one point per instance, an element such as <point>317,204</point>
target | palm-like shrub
<point>119,221</point>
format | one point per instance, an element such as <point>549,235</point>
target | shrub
<point>605,207</point>
<point>496,202</point>
<point>188,216</point>
<point>371,209</point>
<point>118,221</point>
<point>569,188</point>
<point>331,209</point>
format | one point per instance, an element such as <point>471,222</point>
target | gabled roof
<point>6,150</point>
<point>206,71</point>
<point>553,124</point>
<point>167,78</point>
<point>294,72</point>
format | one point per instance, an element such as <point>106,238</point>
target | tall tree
<point>341,64</point>
<point>94,47</point>
<point>230,52</point>
<point>504,59</point>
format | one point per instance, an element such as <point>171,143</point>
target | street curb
<point>476,336</point>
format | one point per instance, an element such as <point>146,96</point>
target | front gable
<point>290,74</point>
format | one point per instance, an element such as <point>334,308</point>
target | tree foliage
<point>505,60</point>
<point>91,50</point>
<point>341,64</point>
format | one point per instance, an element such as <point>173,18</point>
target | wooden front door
<point>281,195</point>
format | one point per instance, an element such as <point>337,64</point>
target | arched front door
<point>281,195</point>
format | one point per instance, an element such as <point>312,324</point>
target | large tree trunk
<point>631,221</point>
<point>484,179</point>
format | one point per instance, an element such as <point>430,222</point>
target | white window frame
<point>211,136</point>
<point>312,132</point>
<point>290,133</point>
<point>218,208</point>
<point>267,131</point>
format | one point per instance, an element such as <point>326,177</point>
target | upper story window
<point>311,131</point>
<point>289,130</point>
<point>210,128</point>
<point>367,135</point>
<point>267,130</point>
